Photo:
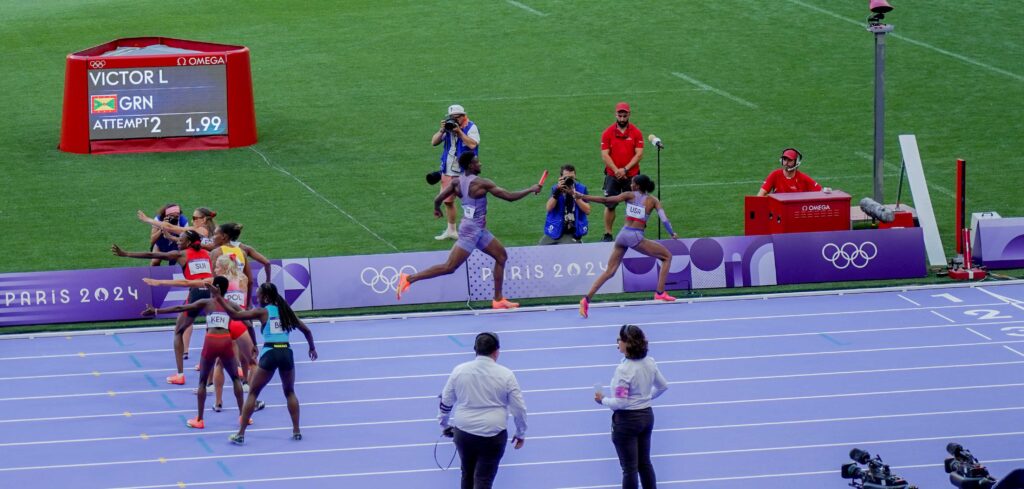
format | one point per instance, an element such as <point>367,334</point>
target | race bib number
<point>468,211</point>
<point>274,326</point>
<point>236,297</point>
<point>217,320</point>
<point>636,211</point>
<point>196,267</point>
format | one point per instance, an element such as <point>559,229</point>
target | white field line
<point>564,95</point>
<point>321,197</point>
<point>555,329</point>
<point>128,414</point>
<point>979,334</point>
<point>710,88</point>
<point>934,186</point>
<point>925,45</point>
<point>526,8</point>
<point>1015,351</point>
<point>1013,302</point>
<point>901,296</point>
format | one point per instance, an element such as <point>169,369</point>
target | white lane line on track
<point>556,329</point>
<point>321,197</point>
<point>925,45</point>
<point>901,296</point>
<point>1006,300</point>
<point>979,334</point>
<point>939,314</point>
<point>831,472</point>
<point>710,88</point>
<point>548,462</point>
<point>548,369</point>
<point>531,391</point>
<point>432,420</point>
<point>549,348</point>
<point>1015,351</point>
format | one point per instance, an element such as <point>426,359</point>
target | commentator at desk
<point>788,178</point>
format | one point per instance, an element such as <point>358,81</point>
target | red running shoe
<point>584,307</point>
<point>196,423</point>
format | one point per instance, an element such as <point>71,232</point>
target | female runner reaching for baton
<point>639,205</point>
<point>278,321</point>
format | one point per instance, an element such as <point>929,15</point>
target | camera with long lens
<point>450,123</point>
<point>569,183</point>
<point>964,469</point>
<point>871,473</point>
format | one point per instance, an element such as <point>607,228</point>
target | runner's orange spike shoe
<point>196,423</point>
<point>584,307</point>
<point>403,285</point>
<point>663,296</point>
<point>504,304</point>
<point>178,379</point>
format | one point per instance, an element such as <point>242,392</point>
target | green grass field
<point>348,94</point>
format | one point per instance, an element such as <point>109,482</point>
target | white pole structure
<point>879,30</point>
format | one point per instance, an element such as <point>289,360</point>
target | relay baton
<point>544,176</point>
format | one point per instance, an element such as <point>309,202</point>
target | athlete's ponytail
<point>268,293</point>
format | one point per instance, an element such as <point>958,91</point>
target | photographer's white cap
<point>456,109</point>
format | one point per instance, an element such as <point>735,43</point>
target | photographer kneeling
<point>566,220</point>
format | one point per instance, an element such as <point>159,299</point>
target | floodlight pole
<point>879,30</point>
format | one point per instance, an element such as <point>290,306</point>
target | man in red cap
<point>622,148</point>
<point>788,178</point>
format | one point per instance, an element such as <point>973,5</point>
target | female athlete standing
<point>278,321</point>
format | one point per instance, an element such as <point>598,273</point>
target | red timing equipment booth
<point>797,212</point>
<point>157,94</point>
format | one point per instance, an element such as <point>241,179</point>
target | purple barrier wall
<point>370,280</point>
<point>73,295</point>
<point>1000,243</point>
<point>543,271</point>
<point>704,263</point>
<point>837,256</point>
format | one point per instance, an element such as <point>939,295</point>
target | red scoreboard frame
<point>241,115</point>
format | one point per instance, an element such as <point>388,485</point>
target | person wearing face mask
<point>788,178</point>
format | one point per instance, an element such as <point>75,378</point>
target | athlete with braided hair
<point>278,321</point>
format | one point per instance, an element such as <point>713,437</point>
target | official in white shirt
<point>637,381</point>
<point>474,408</point>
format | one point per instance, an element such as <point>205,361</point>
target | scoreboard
<point>182,98</point>
<point>157,102</point>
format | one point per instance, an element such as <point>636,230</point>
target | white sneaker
<point>447,235</point>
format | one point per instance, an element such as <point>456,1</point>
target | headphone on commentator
<point>799,158</point>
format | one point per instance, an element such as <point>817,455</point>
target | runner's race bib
<point>636,211</point>
<point>468,211</point>
<point>196,267</point>
<point>217,320</point>
<point>236,297</point>
<point>274,326</point>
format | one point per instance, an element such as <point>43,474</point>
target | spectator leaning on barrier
<point>788,178</point>
<point>482,394</point>
<point>566,220</point>
<point>459,134</point>
<point>622,148</point>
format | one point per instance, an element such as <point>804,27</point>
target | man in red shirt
<point>788,178</point>
<point>622,148</point>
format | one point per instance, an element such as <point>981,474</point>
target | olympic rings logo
<point>97,64</point>
<point>842,256</point>
<point>385,279</point>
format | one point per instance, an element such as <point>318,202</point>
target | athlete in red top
<point>195,262</point>
<point>788,178</point>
